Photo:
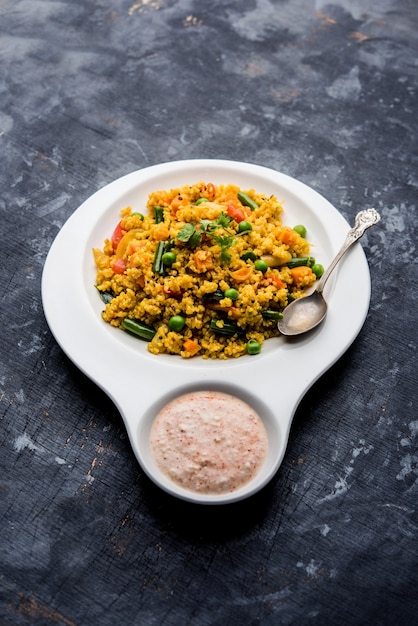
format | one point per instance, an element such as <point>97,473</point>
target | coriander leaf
<point>225,243</point>
<point>224,220</point>
<point>195,239</point>
<point>225,256</point>
<point>186,233</point>
<point>206,225</point>
<point>209,226</point>
<point>189,235</point>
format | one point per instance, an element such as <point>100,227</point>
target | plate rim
<point>92,366</point>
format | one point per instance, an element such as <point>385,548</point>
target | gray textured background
<point>324,92</point>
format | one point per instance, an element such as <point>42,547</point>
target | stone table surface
<point>325,92</point>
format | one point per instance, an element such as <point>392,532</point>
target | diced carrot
<point>191,346</point>
<point>288,236</point>
<point>241,275</point>
<point>302,275</point>
<point>178,202</point>
<point>203,260</point>
<point>275,280</point>
<point>141,281</point>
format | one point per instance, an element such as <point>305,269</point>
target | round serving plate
<point>139,383</point>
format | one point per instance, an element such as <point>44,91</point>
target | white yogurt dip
<point>209,442</point>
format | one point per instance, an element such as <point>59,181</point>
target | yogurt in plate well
<point>209,442</point>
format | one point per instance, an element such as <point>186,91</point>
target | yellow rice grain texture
<point>125,270</point>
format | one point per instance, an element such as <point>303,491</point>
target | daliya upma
<point>206,270</point>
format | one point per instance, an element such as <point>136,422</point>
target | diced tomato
<point>119,266</point>
<point>117,235</point>
<point>236,213</point>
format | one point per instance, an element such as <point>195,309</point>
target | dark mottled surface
<point>325,92</point>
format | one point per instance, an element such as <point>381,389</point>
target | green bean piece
<point>140,330</point>
<point>247,201</point>
<point>249,256</point>
<point>158,265</point>
<point>215,295</point>
<point>158,214</point>
<point>309,261</point>
<point>253,347</point>
<point>271,314</point>
<point>138,213</point>
<point>228,328</point>
<point>201,200</point>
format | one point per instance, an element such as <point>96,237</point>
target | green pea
<point>168,258</point>
<point>261,265</point>
<point>176,323</point>
<point>244,226</point>
<point>201,200</point>
<point>253,347</point>
<point>300,229</point>
<point>137,213</point>
<point>318,270</point>
<point>232,294</point>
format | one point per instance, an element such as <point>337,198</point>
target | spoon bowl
<point>304,314</point>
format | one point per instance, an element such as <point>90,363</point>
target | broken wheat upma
<point>205,270</point>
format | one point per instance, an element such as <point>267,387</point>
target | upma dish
<point>205,270</point>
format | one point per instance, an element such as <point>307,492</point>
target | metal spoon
<point>305,313</point>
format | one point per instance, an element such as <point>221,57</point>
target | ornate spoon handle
<point>363,221</point>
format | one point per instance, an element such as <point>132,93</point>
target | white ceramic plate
<point>139,383</point>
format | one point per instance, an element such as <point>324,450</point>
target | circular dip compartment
<point>262,475</point>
